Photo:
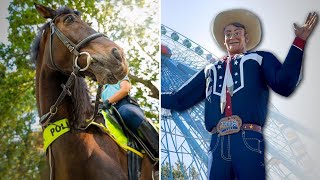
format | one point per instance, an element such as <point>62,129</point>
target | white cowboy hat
<point>248,19</point>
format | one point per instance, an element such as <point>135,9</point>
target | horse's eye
<point>69,19</point>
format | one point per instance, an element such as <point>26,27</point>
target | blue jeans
<point>131,114</point>
<point>239,155</point>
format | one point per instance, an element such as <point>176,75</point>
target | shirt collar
<point>233,57</point>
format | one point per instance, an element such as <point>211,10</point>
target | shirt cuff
<point>299,43</point>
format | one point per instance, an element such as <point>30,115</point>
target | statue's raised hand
<point>306,29</point>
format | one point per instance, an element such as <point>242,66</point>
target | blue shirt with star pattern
<point>253,73</point>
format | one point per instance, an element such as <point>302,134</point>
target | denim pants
<point>237,156</point>
<point>131,114</point>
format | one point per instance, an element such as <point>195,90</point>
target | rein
<point>74,49</point>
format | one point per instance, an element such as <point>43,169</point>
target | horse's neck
<point>49,90</point>
<point>75,108</point>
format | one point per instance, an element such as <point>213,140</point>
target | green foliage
<point>165,171</point>
<point>179,171</point>
<point>134,25</point>
<point>21,154</point>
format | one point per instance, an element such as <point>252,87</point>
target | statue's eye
<point>228,35</point>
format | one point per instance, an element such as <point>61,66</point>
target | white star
<point>219,67</point>
<point>236,74</point>
<point>236,82</point>
<point>220,77</point>
<point>219,85</point>
<point>236,62</point>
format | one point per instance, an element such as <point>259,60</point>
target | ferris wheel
<point>184,139</point>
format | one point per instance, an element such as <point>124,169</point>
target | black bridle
<point>74,49</point>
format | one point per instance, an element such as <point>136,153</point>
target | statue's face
<point>235,39</point>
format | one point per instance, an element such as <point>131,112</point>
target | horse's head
<point>106,62</point>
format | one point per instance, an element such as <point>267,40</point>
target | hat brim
<point>248,19</point>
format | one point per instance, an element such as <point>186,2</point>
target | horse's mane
<point>36,43</point>
<point>81,102</point>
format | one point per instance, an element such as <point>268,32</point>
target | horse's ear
<point>45,12</point>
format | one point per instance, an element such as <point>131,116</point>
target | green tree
<point>193,173</point>
<point>165,171</point>
<point>179,171</point>
<point>133,24</point>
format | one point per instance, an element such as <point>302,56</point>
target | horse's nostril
<point>116,53</point>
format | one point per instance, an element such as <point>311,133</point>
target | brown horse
<point>64,44</point>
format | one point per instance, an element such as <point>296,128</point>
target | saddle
<point>122,135</point>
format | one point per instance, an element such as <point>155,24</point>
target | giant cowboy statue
<point>236,92</point>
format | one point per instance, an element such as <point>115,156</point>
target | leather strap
<point>252,127</point>
<point>89,38</point>
<point>245,126</point>
<point>72,47</point>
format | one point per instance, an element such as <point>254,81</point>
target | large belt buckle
<point>229,125</point>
